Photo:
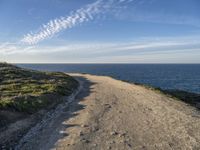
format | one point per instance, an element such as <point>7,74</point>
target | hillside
<point>104,113</point>
<point>24,92</point>
<point>112,114</point>
<point>26,96</point>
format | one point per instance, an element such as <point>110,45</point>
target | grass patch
<point>190,98</point>
<point>28,91</point>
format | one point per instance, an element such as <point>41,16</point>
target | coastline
<point>167,76</point>
<point>187,97</point>
<point>26,96</point>
<point>190,98</point>
<point>105,111</point>
<point>90,85</point>
<point>19,132</point>
<point>48,117</point>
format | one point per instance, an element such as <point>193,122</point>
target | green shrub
<point>28,91</point>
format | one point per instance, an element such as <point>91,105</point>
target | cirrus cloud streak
<point>84,14</point>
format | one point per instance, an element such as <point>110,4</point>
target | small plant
<point>28,91</point>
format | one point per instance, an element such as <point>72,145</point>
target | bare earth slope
<point>111,114</point>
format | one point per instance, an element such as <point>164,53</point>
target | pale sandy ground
<point>111,114</point>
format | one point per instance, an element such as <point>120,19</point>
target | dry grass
<point>28,91</point>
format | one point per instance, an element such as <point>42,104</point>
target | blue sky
<point>100,31</point>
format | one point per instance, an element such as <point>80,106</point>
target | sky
<point>100,31</point>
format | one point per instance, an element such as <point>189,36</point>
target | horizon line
<point>114,63</point>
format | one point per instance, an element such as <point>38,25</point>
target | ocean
<point>166,76</point>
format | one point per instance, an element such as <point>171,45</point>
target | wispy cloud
<point>8,48</point>
<point>103,52</point>
<point>141,45</point>
<point>54,26</point>
<point>142,50</point>
<point>84,14</point>
<point>91,11</point>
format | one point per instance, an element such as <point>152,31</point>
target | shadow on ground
<point>71,111</point>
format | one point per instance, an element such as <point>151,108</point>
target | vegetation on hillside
<point>188,97</point>
<point>28,91</point>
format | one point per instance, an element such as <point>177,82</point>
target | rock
<point>3,147</point>
<point>122,141</point>
<point>85,140</point>
<point>122,135</point>
<point>20,135</point>
<point>129,145</point>
<point>81,133</point>
<point>112,142</point>
<point>198,105</point>
<point>113,133</point>
<point>94,129</point>
<point>84,126</point>
<point>107,105</point>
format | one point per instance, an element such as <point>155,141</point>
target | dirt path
<point>111,114</point>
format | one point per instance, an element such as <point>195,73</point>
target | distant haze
<point>100,31</point>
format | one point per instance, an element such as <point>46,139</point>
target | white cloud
<point>54,26</point>
<point>143,50</point>
<point>90,11</point>
<point>8,48</point>
<point>147,45</point>
<point>77,17</point>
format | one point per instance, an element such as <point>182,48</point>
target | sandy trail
<point>111,114</point>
